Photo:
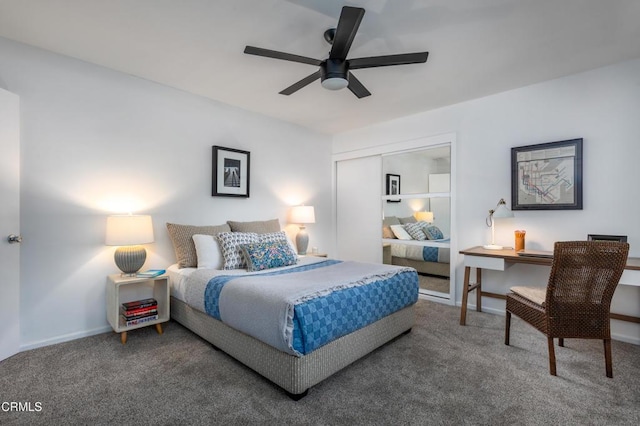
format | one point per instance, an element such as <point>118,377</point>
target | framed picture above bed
<point>393,186</point>
<point>230,176</point>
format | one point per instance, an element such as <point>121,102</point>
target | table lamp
<point>424,216</point>
<point>500,212</point>
<point>302,215</point>
<point>129,232</point>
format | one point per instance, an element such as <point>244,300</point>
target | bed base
<point>423,267</point>
<point>294,374</point>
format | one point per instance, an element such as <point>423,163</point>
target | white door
<point>9,224</point>
<point>359,209</point>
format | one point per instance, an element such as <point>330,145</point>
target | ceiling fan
<point>335,71</point>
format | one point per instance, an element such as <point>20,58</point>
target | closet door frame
<point>398,148</point>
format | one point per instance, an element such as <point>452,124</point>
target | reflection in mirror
<point>424,189</point>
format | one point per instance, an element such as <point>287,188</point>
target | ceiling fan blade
<point>258,51</point>
<point>385,61</point>
<point>350,19</point>
<point>302,83</point>
<point>357,88</point>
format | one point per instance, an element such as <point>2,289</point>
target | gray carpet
<point>440,373</point>
<point>433,283</point>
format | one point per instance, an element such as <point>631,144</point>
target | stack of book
<point>139,311</point>
<point>151,273</point>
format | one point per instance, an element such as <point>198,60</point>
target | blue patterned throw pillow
<point>433,232</point>
<point>230,243</point>
<point>267,255</point>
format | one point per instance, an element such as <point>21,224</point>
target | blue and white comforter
<point>298,309</point>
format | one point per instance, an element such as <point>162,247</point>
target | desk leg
<point>466,289</point>
<point>479,289</point>
<point>465,295</point>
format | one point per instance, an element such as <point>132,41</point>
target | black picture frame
<point>600,237</point>
<point>230,172</point>
<point>547,176</point>
<point>393,186</point>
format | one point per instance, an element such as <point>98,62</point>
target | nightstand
<point>122,289</point>
<point>316,254</point>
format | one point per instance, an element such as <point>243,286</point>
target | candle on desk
<point>520,239</point>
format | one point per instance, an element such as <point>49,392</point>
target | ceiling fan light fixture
<point>334,74</point>
<point>335,83</point>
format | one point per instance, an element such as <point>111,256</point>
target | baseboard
<point>64,338</point>
<point>615,336</point>
<point>437,299</point>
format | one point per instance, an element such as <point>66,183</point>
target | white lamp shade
<point>302,214</point>
<point>128,230</point>
<point>502,212</point>
<point>424,216</point>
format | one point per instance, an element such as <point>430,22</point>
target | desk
<point>499,260</point>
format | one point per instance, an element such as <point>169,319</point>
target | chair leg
<point>607,358</point>
<point>552,357</point>
<point>507,327</point>
<point>561,342</point>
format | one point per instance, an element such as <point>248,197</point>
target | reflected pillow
<point>400,232</point>
<point>415,230</point>
<point>408,219</point>
<point>267,255</point>
<point>433,232</point>
<point>387,232</point>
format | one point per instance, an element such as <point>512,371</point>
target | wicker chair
<point>577,300</point>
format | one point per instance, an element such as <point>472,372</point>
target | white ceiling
<point>476,47</point>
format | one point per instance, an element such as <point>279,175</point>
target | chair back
<point>583,278</point>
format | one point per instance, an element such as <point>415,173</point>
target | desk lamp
<point>500,212</point>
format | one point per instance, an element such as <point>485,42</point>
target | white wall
<point>95,142</point>
<point>602,106</point>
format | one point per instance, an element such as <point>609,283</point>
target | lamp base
<point>302,241</point>
<point>492,247</point>
<point>129,259</point>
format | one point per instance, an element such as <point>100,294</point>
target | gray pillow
<point>391,220</point>
<point>258,226</point>
<point>408,219</point>
<point>415,230</point>
<point>386,226</point>
<point>182,240</point>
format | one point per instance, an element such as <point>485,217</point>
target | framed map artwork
<point>547,176</point>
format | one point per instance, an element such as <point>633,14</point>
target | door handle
<point>14,239</point>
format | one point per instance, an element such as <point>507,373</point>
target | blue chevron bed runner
<point>299,309</point>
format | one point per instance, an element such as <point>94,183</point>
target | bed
<point>221,306</point>
<point>427,260</point>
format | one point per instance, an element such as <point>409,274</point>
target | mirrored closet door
<point>416,206</point>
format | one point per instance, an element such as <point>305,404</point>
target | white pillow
<point>400,232</point>
<point>208,252</point>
